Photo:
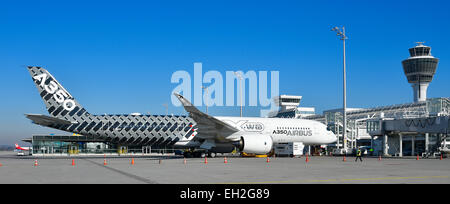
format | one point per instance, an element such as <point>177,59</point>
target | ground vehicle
<point>290,149</point>
<point>445,147</point>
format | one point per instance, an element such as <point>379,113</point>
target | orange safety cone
<point>132,161</point>
<point>268,160</point>
<point>206,160</point>
<point>73,162</point>
<point>441,157</point>
<point>104,162</point>
<point>36,163</point>
<point>344,159</point>
<point>307,158</point>
<point>417,157</point>
<point>1,164</point>
<point>225,161</point>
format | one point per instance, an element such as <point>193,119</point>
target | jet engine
<point>255,144</point>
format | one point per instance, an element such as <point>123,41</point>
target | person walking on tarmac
<point>358,155</point>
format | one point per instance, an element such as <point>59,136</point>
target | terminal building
<point>417,128</point>
<point>290,107</point>
<point>138,134</point>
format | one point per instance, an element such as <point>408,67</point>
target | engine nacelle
<point>255,144</point>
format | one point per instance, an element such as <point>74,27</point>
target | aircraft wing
<point>47,120</point>
<point>209,127</point>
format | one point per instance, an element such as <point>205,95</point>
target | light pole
<point>206,102</point>
<point>239,76</point>
<point>341,33</point>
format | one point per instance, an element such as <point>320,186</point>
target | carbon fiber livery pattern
<point>143,130</point>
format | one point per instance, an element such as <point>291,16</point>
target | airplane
<point>200,131</point>
<point>23,148</point>
<point>255,135</point>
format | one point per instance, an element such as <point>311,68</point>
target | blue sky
<point>118,56</point>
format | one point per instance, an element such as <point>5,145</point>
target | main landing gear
<point>199,154</point>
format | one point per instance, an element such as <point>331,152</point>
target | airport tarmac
<point>172,170</point>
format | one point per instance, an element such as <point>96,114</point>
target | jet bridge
<point>431,131</point>
<point>437,125</point>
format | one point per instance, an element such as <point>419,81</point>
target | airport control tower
<point>419,69</point>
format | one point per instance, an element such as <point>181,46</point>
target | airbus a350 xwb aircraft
<point>199,131</point>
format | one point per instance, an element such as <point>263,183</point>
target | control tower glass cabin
<point>419,69</point>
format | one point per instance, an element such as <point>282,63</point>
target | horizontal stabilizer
<point>47,120</point>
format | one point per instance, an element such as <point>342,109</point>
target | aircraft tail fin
<point>59,102</point>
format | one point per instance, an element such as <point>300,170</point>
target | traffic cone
<point>345,159</point>
<point>206,160</point>
<point>225,160</point>
<point>441,157</point>
<point>417,157</point>
<point>307,158</point>
<point>104,162</point>
<point>36,163</point>
<point>1,164</point>
<point>268,160</point>
<point>132,161</point>
<point>73,162</point>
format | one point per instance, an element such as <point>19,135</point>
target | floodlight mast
<point>341,33</point>
<point>206,89</point>
<point>240,77</point>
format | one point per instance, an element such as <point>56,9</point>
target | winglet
<point>188,106</point>
<point>183,101</point>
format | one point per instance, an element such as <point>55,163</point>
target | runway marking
<point>340,180</point>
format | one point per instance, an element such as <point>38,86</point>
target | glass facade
<point>373,125</point>
<point>420,51</point>
<point>438,106</point>
<point>86,145</point>
<point>420,70</point>
<point>59,144</point>
<point>290,100</point>
<point>289,114</point>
